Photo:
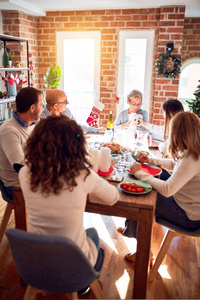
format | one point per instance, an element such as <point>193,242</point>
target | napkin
<point>105,173</point>
<point>152,144</point>
<point>149,170</point>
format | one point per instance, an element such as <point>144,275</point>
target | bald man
<point>56,104</point>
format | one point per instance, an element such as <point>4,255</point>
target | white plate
<point>143,184</point>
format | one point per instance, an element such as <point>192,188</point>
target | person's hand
<point>126,125</point>
<point>143,124</point>
<point>143,157</point>
<point>135,167</point>
<point>101,129</point>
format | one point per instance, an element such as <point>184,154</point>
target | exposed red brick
<point>172,26</point>
<point>132,24</point>
<point>97,12</point>
<point>130,11</point>
<point>149,24</point>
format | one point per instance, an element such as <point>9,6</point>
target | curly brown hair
<point>55,153</point>
<point>184,134</point>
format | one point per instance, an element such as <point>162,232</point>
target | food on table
<point>133,187</point>
<point>114,147</point>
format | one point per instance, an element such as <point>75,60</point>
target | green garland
<point>168,65</point>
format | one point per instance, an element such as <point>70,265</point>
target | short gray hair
<point>135,94</point>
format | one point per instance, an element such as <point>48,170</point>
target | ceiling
<point>39,7</point>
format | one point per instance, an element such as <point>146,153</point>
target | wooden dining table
<point>136,207</point>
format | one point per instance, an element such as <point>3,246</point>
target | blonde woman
<point>178,199</point>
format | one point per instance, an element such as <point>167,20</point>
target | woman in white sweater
<point>56,181</point>
<point>178,199</point>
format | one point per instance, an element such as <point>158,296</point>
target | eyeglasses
<point>64,102</point>
<point>136,104</point>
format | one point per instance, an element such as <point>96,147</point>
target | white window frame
<point>189,61</point>
<point>137,34</point>
<point>96,35</point>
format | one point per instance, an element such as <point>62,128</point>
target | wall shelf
<point>14,69</point>
<point>5,104</point>
<point>7,100</point>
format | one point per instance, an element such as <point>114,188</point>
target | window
<point>79,60</point>
<point>135,65</point>
<point>188,81</point>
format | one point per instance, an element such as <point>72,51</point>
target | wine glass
<point>124,151</point>
<point>123,159</point>
<point>115,159</point>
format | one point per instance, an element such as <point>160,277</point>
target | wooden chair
<point>8,210</point>
<point>172,232</point>
<point>53,264</point>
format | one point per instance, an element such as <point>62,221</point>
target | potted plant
<point>10,57</point>
<point>52,78</point>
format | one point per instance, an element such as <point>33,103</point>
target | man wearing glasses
<point>134,112</point>
<point>56,104</point>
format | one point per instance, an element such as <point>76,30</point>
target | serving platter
<point>141,183</point>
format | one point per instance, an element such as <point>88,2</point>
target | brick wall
<point>24,26</point>
<point>168,23</point>
<point>170,29</point>
<point>191,38</point>
<point>109,23</point>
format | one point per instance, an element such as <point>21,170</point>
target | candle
<point>94,154</point>
<point>104,159</point>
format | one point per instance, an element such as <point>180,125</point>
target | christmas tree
<point>194,104</point>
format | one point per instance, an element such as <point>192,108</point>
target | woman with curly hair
<point>56,180</point>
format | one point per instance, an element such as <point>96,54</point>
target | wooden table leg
<point>19,208</point>
<point>143,251</point>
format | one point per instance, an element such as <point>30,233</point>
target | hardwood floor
<point>178,277</point>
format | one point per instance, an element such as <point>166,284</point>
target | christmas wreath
<point>168,65</point>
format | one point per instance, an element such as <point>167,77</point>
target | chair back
<point>4,193</point>
<point>52,263</point>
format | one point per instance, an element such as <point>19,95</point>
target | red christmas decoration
<point>117,99</point>
<point>92,120</point>
<point>11,79</point>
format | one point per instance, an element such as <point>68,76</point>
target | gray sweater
<point>13,137</point>
<point>68,114</point>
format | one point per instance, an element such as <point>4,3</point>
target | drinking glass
<point>115,159</point>
<point>108,136</point>
<point>123,160</point>
<point>142,140</point>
